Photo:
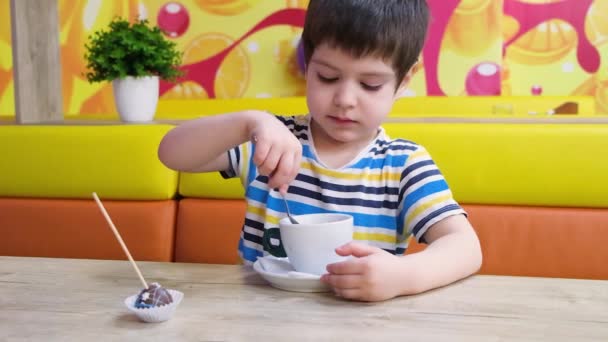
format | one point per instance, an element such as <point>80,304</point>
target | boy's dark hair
<point>394,30</point>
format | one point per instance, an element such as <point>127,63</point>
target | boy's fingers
<point>297,160</point>
<point>346,281</point>
<point>355,249</point>
<point>348,293</point>
<point>261,151</point>
<point>281,174</point>
<point>283,189</point>
<point>285,168</point>
<point>351,266</point>
<point>269,165</point>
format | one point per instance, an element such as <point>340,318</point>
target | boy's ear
<point>406,81</point>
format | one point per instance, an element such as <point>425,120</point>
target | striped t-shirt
<point>393,190</point>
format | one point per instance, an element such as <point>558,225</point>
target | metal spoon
<point>293,220</point>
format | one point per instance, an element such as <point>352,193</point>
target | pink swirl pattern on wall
<point>529,15</point>
<point>441,11</point>
<point>574,12</point>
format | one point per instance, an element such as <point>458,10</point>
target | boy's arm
<point>200,145</point>
<point>374,274</point>
<point>453,253</point>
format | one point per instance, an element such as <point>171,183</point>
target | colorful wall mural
<point>248,48</point>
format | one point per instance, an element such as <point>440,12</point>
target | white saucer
<point>280,274</point>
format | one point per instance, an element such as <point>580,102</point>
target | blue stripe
<point>380,163</point>
<point>411,169</point>
<point>252,168</point>
<point>247,253</point>
<point>400,223</point>
<point>307,152</point>
<point>417,179</point>
<point>257,194</point>
<point>425,190</point>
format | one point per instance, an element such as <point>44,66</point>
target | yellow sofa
<point>47,178</point>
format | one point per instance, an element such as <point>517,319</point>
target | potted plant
<point>133,56</point>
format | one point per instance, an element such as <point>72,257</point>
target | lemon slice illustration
<point>596,25</point>
<point>232,77</point>
<point>548,42</point>
<point>474,26</point>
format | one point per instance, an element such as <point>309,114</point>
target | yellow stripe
<point>418,153</point>
<point>341,175</point>
<point>374,237</point>
<point>425,206</point>
<point>261,212</point>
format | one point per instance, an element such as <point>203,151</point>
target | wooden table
<point>68,299</point>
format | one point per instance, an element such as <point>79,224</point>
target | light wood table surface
<point>82,300</point>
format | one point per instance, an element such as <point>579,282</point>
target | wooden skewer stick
<point>122,244</point>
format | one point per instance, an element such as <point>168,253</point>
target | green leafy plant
<point>127,49</point>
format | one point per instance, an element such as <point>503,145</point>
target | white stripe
<point>252,231</point>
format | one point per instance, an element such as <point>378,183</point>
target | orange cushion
<point>542,241</point>
<point>208,230</point>
<point>77,229</point>
<point>523,241</point>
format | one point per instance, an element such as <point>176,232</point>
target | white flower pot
<point>136,98</point>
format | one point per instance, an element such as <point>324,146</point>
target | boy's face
<point>349,97</point>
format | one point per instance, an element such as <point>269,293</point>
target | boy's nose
<point>345,96</point>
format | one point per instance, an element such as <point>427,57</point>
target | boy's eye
<point>326,79</point>
<point>371,87</point>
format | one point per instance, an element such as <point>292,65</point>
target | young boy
<point>359,56</point>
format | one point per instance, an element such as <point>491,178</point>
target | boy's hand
<point>278,152</point>
<point>373,275</point>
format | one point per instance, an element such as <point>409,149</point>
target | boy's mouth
<point>342,121</point>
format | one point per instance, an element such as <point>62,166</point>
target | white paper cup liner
<point>155,314</point>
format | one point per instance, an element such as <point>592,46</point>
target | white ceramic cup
<point>310,244</point>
